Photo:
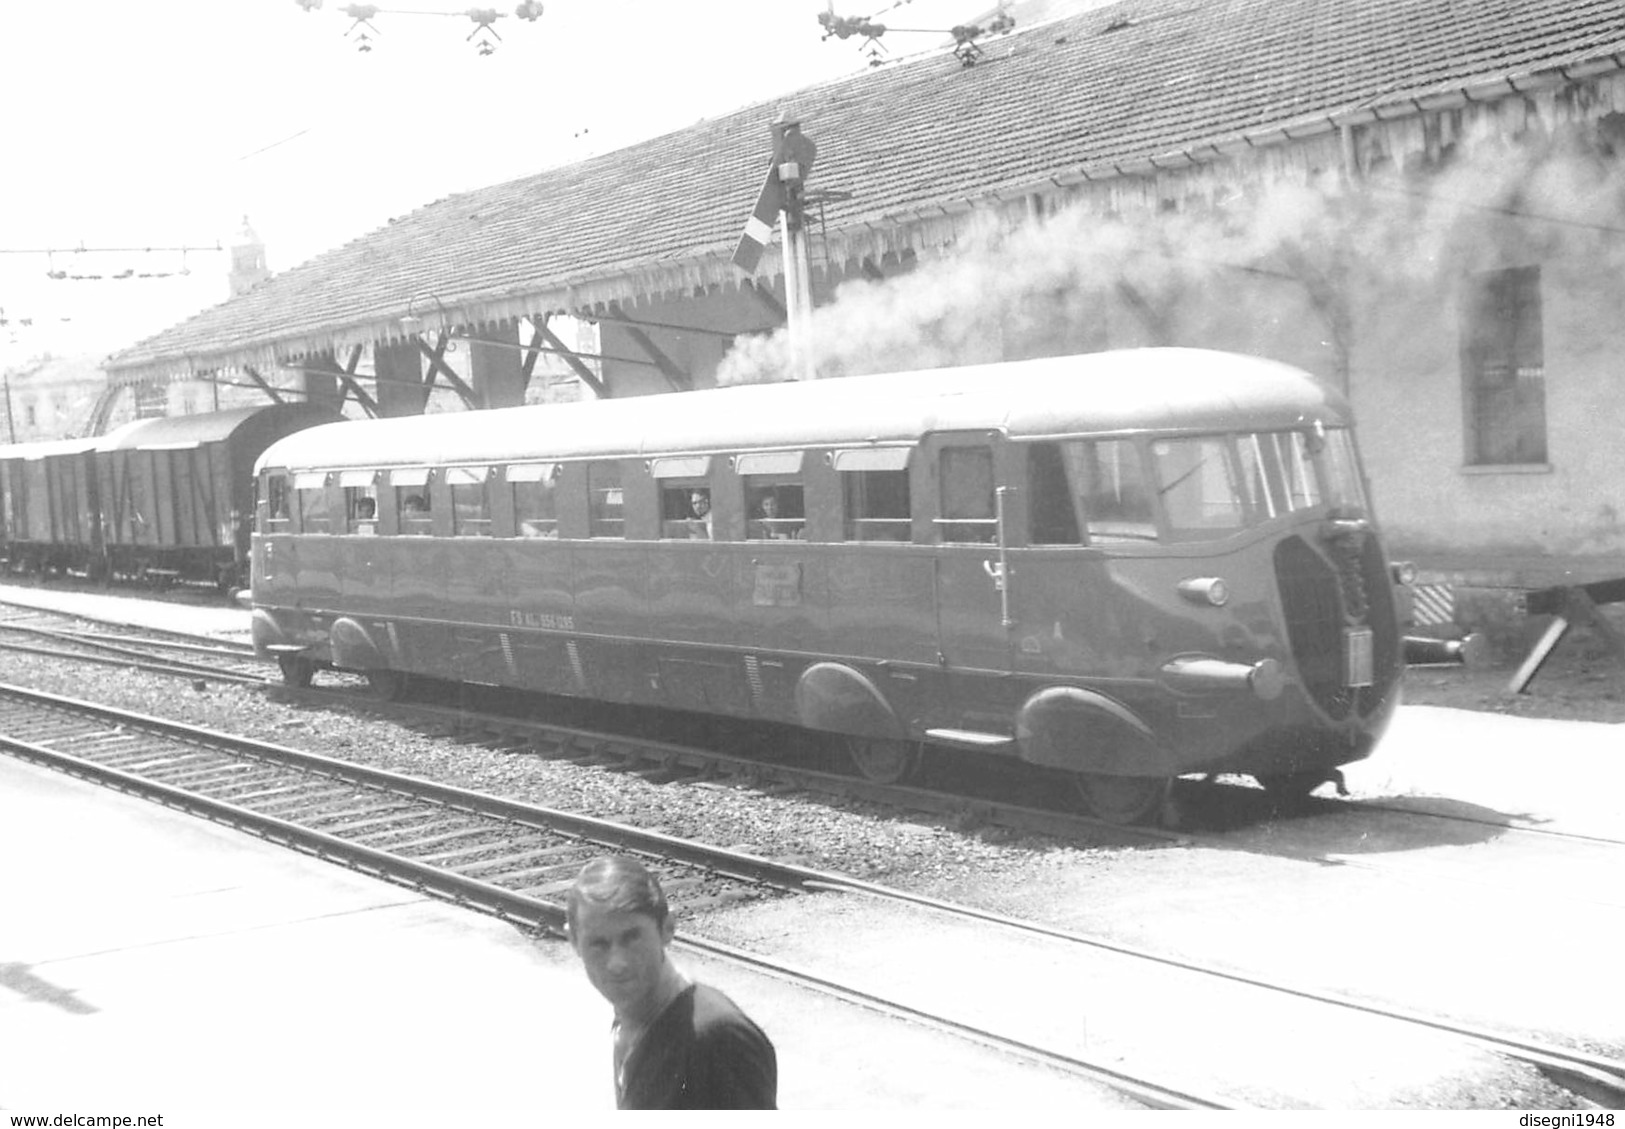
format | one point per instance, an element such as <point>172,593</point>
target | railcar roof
<point>1125,391</point>
<point>191,430</point>
<point>41,448</point>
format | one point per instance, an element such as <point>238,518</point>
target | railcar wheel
<point>1287,789</point>
<point>390,685</point>
<point>1122,799</point>
<point>296,670</point>
<point>884,761</point>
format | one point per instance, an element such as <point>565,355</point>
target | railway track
<point>84,638</point>
<point>504,721</point>
<point>514,860</point>
<point>1247,814</point>
<point>55,635</point>
<point>508,859</point>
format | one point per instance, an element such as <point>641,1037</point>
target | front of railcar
<point>1324,621</point>
<point>1233,610</point>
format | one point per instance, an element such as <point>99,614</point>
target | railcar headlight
<point>1404,572</point>
<point>1205,590</point>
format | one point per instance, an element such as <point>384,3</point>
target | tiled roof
<point>1092,96</point>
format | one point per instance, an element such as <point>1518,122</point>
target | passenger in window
<point>415,505</point>
<point>366,511</point>
<point>770,526</point>
<point>699,504</point>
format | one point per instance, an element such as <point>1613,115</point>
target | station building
<point>1422,204</point>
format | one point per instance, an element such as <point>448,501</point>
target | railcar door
<point>961,491</point>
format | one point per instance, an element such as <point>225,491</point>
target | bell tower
<point>248,268</point>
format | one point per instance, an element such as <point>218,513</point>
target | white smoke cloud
<point>1259,256</point>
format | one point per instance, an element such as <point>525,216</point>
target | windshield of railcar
<point>1192,488</point>
<point>1345,487</point>
<point>1211,486</point>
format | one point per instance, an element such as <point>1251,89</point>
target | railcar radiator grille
<point>1313,607</point>
<point>1328,597</point>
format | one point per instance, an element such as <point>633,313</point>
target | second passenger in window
<point>771,525</point>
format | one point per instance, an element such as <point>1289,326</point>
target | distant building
<point>1422,207</point>
<point>248,267</point>
<point>51,398</point>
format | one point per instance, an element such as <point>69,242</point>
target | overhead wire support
<point>362,29</point>
<point>83,250</point>
<point>871,30</point>
<point>57,274</point>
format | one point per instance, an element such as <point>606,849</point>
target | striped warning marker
<point>1433,603</point>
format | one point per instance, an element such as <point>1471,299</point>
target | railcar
<point>1129,565</point>
<point>162,499</point>
<point>48,506</point>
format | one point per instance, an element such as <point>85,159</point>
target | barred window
<point>1504,368</point>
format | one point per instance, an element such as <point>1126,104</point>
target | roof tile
<point>1120,84</point>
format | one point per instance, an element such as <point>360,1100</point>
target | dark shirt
<point>702,1052</point>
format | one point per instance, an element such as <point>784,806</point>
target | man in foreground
<point>677,1044</point>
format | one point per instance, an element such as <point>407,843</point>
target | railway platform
<point>153,962</point>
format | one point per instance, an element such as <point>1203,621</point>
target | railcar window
<point>1290,452</point>
<point>362,507</point>
<point>1054,520</point>
<point>409,494</point>
<point>685,510</point>
<point>776,509</point>
<point>967,513</point>
<point>1260,478</point>
<point>606,503</point>
<point>315,512</point>
<point>1343,486</point>
<point>470,503</point>
<point>279,515</point>
<point>877,505</point>
<point>535,505</point>
<point>1200,487</point>
<point>412,504</point>
<point>1111,482</point>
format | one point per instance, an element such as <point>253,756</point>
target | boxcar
<point>48,506</point>
<point>159,499</point>
<point>1128,565</point>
